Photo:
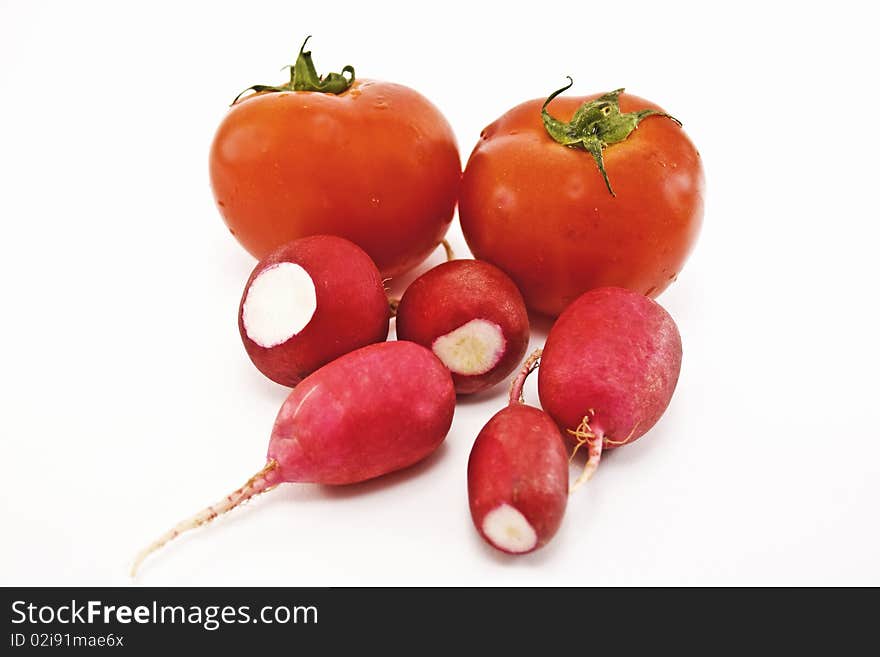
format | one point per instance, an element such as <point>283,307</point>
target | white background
<point>128,401</point>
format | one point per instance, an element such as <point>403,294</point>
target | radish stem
<point>450,254</point>
<point>394,302</point>
<point>516,387</point>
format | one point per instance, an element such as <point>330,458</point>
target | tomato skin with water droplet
<point>377,164</point>
<point>541,212</point>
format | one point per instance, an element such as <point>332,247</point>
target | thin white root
<point>582,434</point>
<point>259,483</point>
<point>592,464</point>
<point>594,440</point>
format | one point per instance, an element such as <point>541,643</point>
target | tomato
<point>542,212</point>
<point>370,161</point>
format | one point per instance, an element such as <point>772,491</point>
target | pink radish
<point>308,302</point>
<point>370,412</point>
<point>518,476</point>
<point>608,369</point>
<point>472,316</point>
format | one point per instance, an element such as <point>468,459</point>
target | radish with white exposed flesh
<point>370,412</point>
<point>472,316</point>
<point>308,302</point>
<point>608,370</point>
<point>518,477</point>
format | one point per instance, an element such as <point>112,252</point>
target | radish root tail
<point>261,482</point>
<point>585,435</point>
<point>618,443</point>
<point>516,386</point>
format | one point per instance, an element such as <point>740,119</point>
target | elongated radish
<point>308,302</point>
<point>370,412</point>
<point>608,370</point>
<point>518,477</point>
<point>470,314</point>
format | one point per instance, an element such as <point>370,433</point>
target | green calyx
<point>596,125</point>
<point>304,77</point>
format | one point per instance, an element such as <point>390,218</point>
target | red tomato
<point>377,164</point>
<point>542,212</point>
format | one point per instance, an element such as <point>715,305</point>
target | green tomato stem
<point>304,77</point>
<point>596,125</point>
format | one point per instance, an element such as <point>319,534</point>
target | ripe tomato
<point>542,212</point>
<point>370,161</point>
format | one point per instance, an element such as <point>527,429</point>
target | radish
<point>370,412</point>
<point>472,316</point>
<point>518,476</point>
<point>308,302</point>
<point>608,370</point>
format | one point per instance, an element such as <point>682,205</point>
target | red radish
<point>308,302</point>
<point>370,412</point>
<point>472,316</point>
<point>518,477</point>
<point>608,369</point>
